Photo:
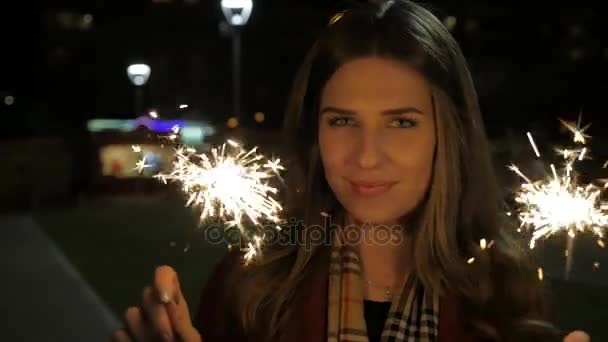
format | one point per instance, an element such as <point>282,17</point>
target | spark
<point>483,244</point>
<point>554,171</point>
<point>274,165</point>
<point>566,153</point>
<point>253,249</point>
<point>153,114</point>
<point>175,129</point>
<point>582,155</point>
<point>577,131</point>
<point>136,148</point>
<point>141,165</point>
<point>571,154</point>
<point>251,253</point>
<point>559,203</point>
<point>229,184</point>
<point>471,260</point>
<point>533,144</point>
<point>601,243</point>
<point>605,164</point>
<point>596,265</point>
<point>541,274</point>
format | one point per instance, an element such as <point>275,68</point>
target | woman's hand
<point>577,336</point>
<point>163,314</point>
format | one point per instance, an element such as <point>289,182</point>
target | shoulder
<point>452,325</point>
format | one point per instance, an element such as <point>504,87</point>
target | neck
<point>384,249</point>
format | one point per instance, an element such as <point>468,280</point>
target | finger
<point>121,336</point>
<point>179,313</point>
<point>164,282</point>
<point>180,318</point>
<point>178,295</point>
<point>577,336</point>
<point>156,313</point>
<point>135,324</point>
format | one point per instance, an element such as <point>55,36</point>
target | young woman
<point>388,141</point>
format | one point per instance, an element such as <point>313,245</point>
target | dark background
<point>64,62</point>
<point>531,62</point>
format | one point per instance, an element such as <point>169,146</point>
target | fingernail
<point>164,297</point>
<point>167,337</point>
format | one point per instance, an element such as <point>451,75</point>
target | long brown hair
<point>500,292</point>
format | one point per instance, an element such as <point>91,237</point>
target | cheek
<point>414,161</point>
<point>333,153</point>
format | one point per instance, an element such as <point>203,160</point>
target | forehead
<point>376,81</point>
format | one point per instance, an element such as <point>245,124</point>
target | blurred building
<point>119,145</point>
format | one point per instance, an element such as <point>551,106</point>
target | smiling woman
<point>386,131</point>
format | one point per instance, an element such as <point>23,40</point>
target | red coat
<point>312,323</point>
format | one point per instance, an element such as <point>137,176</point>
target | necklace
<point>388,290</point>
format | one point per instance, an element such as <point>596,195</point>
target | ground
<point>117,243</point>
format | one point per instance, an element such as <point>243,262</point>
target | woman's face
<point>377,138</point>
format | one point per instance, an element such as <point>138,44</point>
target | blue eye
<point>341,121</point>
<point>402,123</point>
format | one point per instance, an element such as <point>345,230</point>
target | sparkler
<point>559,203</point>
<point>230,184</point>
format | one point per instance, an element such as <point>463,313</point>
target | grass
<point>116,244</point>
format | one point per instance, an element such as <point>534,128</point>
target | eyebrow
<point>393,111</point>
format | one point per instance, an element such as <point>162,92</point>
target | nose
<point>368,150</point>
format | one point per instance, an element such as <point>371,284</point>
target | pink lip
<point>370,188</point>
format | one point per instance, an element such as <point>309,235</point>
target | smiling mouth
<point>371,188</point>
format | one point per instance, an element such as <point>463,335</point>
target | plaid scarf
<point>414,312</point>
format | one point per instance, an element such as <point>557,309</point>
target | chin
<point>376,217</point>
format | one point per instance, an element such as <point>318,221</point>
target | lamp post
<point>138,75</point>
<point>237,14</point>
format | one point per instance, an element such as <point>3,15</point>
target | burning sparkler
<point>230,184</point>
<point>559,203</point>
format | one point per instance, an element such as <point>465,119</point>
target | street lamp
<point>138,75</point>
<point>237,14</point>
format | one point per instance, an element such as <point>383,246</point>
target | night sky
<point>63,62</point>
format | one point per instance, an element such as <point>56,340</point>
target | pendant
<point>388,295</point>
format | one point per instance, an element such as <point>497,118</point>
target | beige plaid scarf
<point>414,312</point>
